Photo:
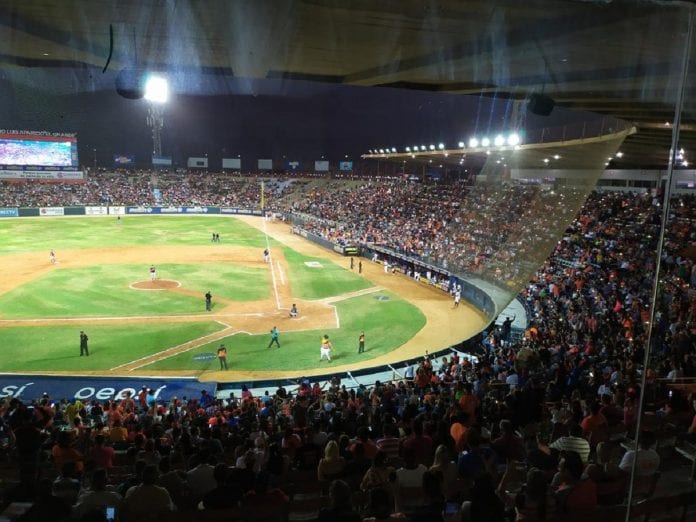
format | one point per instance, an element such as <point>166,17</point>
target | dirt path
<point>444,325</point>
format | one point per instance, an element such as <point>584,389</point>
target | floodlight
<point>381,151</point>
<point>441,146</point>
<point>408,149</point>
<point>513,139</point>
<point>619,154</point>
<point>422,147</point>
<point>473,143</point>
<point>461,144</point>
<point>432,147</point>
<point>156,89</point>
<point>499,140</point>
<point>485,142</point>
<point>546,160</point>
<point>393,149</point>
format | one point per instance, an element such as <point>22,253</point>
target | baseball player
<point>274,337</point>
<point>325,349</point>
<point>52,257</point>
<point>153,273</point>
<point>266,255</point>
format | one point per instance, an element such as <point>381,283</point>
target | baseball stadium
<point>313,260</point>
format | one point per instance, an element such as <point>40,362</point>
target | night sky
<point>226,117</point>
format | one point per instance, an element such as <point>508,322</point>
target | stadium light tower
<point>157,94</point>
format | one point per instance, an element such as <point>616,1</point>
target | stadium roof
<point>621,58</point>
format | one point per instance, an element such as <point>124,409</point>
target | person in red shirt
<point>595,425</point>
<point>422,445</point>
<point>101,455</point>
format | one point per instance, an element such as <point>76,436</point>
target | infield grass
<point>317,278</point>
<point>103,290</point>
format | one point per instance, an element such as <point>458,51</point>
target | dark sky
<point>224,117</point>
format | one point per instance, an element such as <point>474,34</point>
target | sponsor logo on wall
<point>51,211</point>
<point>9,212</point>
<point>100,388</point>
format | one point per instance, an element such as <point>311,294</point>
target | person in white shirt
<point>648,459</point>
<point>146,500</point>
<point>201,480</point>
<point>409,479</point>
<point>574,442</point>
<point>98,496</point>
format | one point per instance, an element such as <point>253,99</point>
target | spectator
<point>648,460</point>
<point>147,499</point>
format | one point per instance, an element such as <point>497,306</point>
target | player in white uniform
<point>153,273</point>
<point>325,349</point>
<point>52,257</point>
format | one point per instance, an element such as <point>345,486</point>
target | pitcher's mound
<point>158,284</point>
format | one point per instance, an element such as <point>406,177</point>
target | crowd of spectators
<point>489,229</point>
<point>539,428</point>
<point>148,188</point>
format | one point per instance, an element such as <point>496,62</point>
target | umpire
<point>84,350</point>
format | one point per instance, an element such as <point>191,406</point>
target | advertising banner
<point>294,165</point>
<point>96,211</point>
<point>197,163</point>
<point>51,211</point>
<point>47,175</point>
<point>232,163</point>
<point>200,210</point>
<point>123,161</point>
<point>265,164</point>
<point>117,211</point>
<point>345,165</point>
<point>142,210</point>
<point>100,388</point>
<point>9,212</point>
<point>321,166</point>
<point>162,161</point>
<point>171,210</point>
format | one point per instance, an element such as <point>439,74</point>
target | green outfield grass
<point>51,348</point>
<point>310,281</point>
<point>32,234</point>
<point>388,323</point>
<point>102,290</point>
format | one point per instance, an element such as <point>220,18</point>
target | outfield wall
<point>121,210</point>
<point>34,387</point>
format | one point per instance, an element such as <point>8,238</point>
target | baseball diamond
<point>138,326</point>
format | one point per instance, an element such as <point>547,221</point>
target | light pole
<point>157,93</point>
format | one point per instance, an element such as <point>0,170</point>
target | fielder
<point>325,349</point>
<point>52,257</point>
<point>153,273</point>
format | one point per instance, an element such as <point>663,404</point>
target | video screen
<point>38,151</point>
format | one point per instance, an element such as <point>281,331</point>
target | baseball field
<point>100,284</point>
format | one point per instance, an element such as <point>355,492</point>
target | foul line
<point>357,293</point>
<point>214,335</point>
<point>280,273</point>
<point>270,261</point>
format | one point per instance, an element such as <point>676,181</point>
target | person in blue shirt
<point>274,337</point>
